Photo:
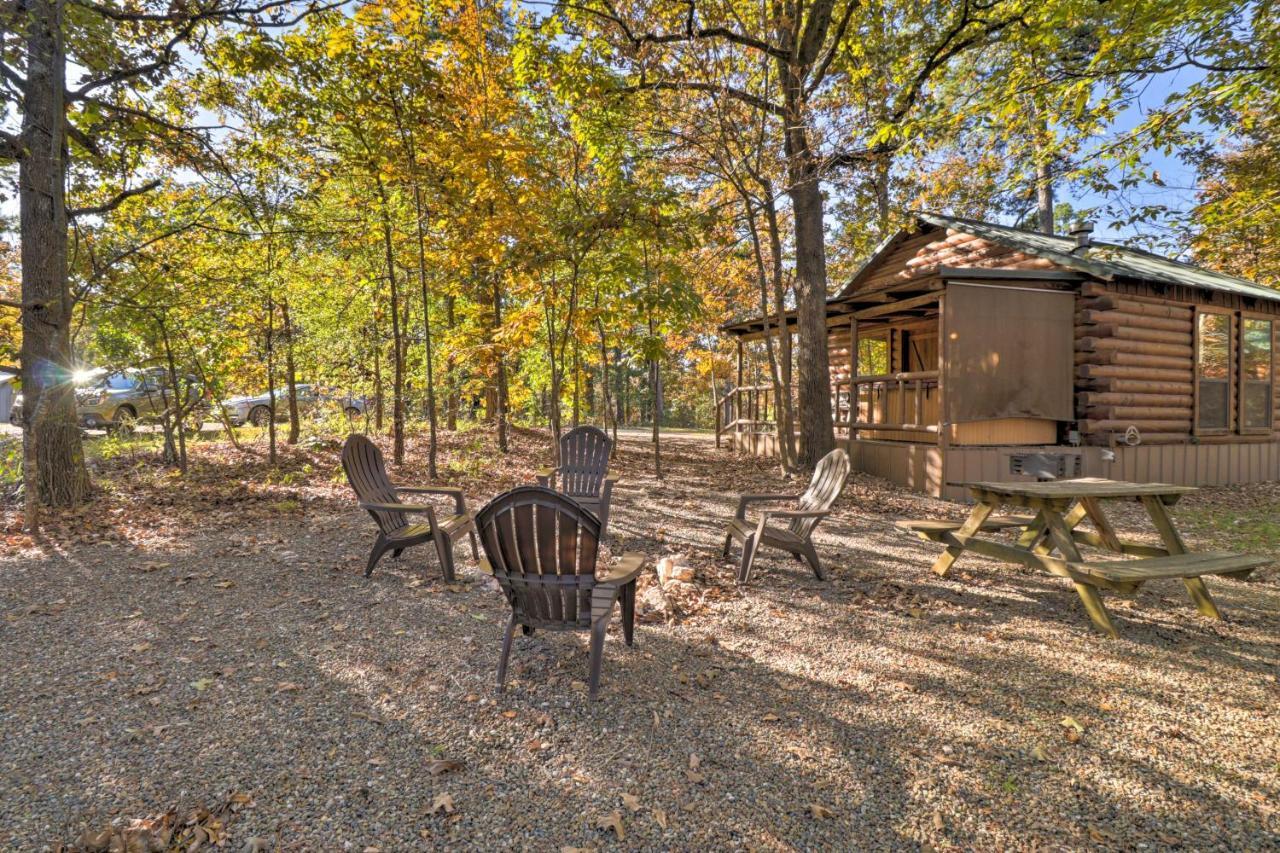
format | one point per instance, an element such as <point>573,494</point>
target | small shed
<point>965,350</point>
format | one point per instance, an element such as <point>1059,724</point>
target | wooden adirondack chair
<point>584,471</point>
<point>541,547</point>
<point>797,537</point>
<point>367,474</point>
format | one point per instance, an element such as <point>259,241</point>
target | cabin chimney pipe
<point>1082,231</point>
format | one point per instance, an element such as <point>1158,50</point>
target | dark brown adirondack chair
<point>541,547</point>
<point>797,537</point>
<point>367,474</point>
<point>584,470</point>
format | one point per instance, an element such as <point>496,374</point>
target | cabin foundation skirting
<point>930,469</point>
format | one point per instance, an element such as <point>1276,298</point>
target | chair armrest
<point>627,569</point>
<point>796,513</point>
<point>385,507</point>
<point>753,499</point>
<point>459,499</point>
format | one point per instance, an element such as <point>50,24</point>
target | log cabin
<point>966,350</point>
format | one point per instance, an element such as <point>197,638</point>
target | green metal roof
<point>1106,261</point>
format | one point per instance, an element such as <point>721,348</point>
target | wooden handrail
<point>913,376</point>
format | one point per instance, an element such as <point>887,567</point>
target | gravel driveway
<point>248,669</point>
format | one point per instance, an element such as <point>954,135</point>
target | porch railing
<point>887,402</point>
<point>747,409</point>
<point>890,402</point>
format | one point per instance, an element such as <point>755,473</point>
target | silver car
<point>256,409</point>
<point>116,401</point>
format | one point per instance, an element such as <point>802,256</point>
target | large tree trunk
<point>54,470</point>
<point>814,381</point>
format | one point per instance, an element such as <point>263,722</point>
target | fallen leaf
<point>440,766</point>
<point>614,822</point>
<point>202,684</point>
<point>288,687</point>
<point>1039,753</point>
<point>140,647</point>
<point>770,718</point>
<point>1072,723</point>
<point>694,761</point>
<point>510,715</point>
<point>225,584</point>
<point>820,812</point>
<point>152,566</point>
<point>938,823</point>
<point>442,802</point>
<point>631,801</point>
<point>660,817</point>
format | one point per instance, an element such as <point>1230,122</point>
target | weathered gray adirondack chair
<point>367,474</point>
<point>542,547</point>
<point>797,537</point>
<point>584,471</point>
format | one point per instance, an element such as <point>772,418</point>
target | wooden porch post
<point>944,428</point>
<point>737,403</point>
<point>853,374</point>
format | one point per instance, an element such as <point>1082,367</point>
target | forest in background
<point>542,213</point>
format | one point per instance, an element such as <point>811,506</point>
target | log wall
<point>1135,360</point>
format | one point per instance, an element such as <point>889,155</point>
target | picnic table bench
<point>1060,507</point>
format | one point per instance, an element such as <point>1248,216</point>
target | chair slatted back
<point>824,488</point>
<point>584,461</point>
<point>542,548</point>
<point>367,473</point>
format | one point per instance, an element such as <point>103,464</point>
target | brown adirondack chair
<point>797,536</point>
<point>584,471</point>
<point>542,547</point>
<point>367,474</point>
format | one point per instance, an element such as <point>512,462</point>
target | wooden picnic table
<point>1060,506</point>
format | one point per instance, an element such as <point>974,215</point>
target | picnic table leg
<point>1072,519</point>
<point>981,511</point>
<point>1060,534</point>
<point>1032,533</point>
<point>1173,542</point>
<point>1093,508</point>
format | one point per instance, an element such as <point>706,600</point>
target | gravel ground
<point>246,667</point>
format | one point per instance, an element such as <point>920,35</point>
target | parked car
<point>312,399</point>
<point>118,400</point>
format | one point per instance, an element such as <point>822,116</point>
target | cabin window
<point>873,356</point>
<point>1255,374</point>
<point>1213,372</point>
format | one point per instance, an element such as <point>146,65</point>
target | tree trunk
<point>377,373</point>
<point>290,373</point>
<point>54,470</point>
<point>174,414</point>
<point>781,381</point>
<point>502,369</point>
<point>271,380</point>
<point>451,379</point>
<point>426,333</point>
<point>817,436</point>
<point>397,335</point>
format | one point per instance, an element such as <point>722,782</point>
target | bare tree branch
<point>713,88</point>
<point>115,201</point>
